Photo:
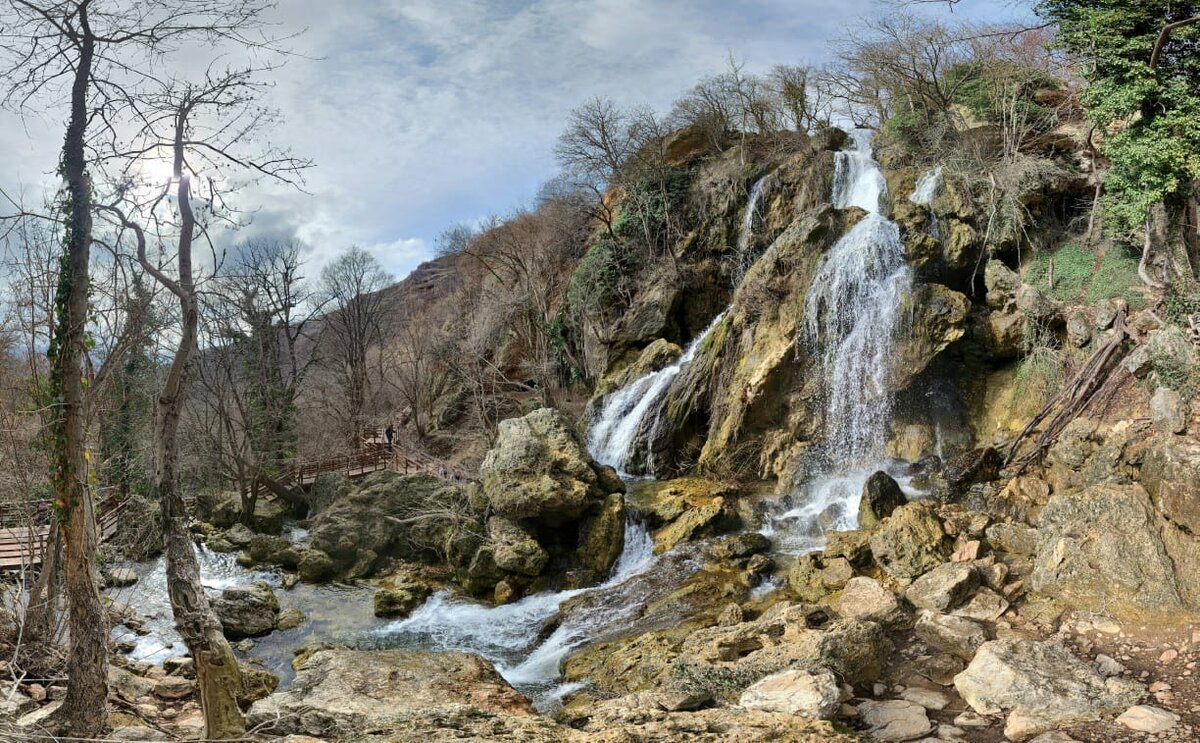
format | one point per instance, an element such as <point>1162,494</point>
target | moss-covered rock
<point>399,599</point>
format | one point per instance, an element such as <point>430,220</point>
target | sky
<point>420,114</point>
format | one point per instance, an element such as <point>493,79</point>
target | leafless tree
<point>353,328</point>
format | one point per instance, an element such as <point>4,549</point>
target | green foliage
<point>1080,275</point>
<point>1152,114</point>
<point>1176,373</point>
<point>1181,306</point>
<point>1073,266</point>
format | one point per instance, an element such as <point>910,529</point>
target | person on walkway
<point>390,435</point>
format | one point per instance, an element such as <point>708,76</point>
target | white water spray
<point>854,310</point>
<point>925,191</point>
<point>613,436</point>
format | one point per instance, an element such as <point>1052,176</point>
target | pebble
<point>1168,656</point>
<point>1158,686</point>
<point>969,719</point>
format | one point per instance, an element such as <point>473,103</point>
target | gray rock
<point>814,694</point>
<point>985,606</point>
<point>943,588</point>
<point>910,542</point>
<point>1041,680</point>
<point>120,577</point>
<point>1169,411</point>
<point>955,635</point>
<point>247,611</point>
<point>864,598</point>
<point>1147,719</point>
<point>1016,539</point>
<point>895,719</point>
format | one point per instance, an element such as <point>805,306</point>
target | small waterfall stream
<point>854,310</point>
<point>925,191</point>
<point>615,431</point>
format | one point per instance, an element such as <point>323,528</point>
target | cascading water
<point>613,436</point>
<point>508,635</point>
<point>854,309</point>
<point>925,191</point>
<point>628,412</point>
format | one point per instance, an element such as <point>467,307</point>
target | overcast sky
<point>423,113</point>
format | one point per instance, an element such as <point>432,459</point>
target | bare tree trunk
<point>83,711</point>
<point>1154,249</point>
<point>43,597</point>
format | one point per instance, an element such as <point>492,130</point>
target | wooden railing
<point>25,528</point>
<point>375,456</point>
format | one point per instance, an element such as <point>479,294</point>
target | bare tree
<point>353,327</point>
<point>598,140</point>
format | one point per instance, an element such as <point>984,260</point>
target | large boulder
<point>539,469</point>
<point>345,693</point>
<point>1105,548</point>
<point>814,694</point>
<point>910,542</point>
<point>1041,681</point>
<point>939,317</point>
<point>247,611</point>
<point>1171,475</point>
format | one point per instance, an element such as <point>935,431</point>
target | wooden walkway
<point>375,456</point>
<point>23,542</point>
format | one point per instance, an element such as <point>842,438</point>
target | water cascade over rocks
<point>854,312</point>
<point>925,191</point>
<point>615,432</point>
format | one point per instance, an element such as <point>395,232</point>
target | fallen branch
<point>1073,398</point>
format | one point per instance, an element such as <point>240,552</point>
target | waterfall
<point>925,191</point>
<point>613,436</point>
<point>745,258</point>
<point>618,428</point>
<point>853,311</point>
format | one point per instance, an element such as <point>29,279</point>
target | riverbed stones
<point>120,577</point>
<point>813,694</point>
<point>173,687</point>
<point>1041,680</point>
<point>345,692</point>
<point>247,611</point>
<point>910,542</point>
<point>881,496</point>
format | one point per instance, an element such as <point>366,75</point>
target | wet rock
<point>224,510</point>
<point>880,497</point>
<point>1169,411</point>
<point>958,636</point>
<point>247,611</point>
<point>399,600</point>
<point>316,567</point>
<point>741,545</point>
<point>1147,719</point>
<point>895,719</point>
<point>658,355</point>
<point>289,618</point>
<point>855,546</point>
<point>1040,680</point>
<point>257,683</point>
<point>120,577</point>
<point>973,467</point>
<point>344,691</point>
<point>864,598</point>
<point>602,536</point>
<point>909,542</point>
<point>814,694</point>
<point>939,316</point>
<point>944,588</point>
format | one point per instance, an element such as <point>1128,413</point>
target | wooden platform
<point>21,547</point>
<point>375,456</point>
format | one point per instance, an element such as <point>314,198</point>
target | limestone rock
<point>895,719</point>
<point>1147,719</point>
<point>910,542</point>
<point>173,687</point>
<point>400,599</point>
<point>1041,680</point>
<point>944,588</point>
<point>1170,471</point>
<point>120,577</point>
<point>1105,547</point>
<point>602,536</point>
<point>863,598</point>
<point>539,469</point>
<point>939,318</point>
<point>247,611</point>
<point>1169,411</point>
<point>514,549</point>
<point>880,497</point>
<point>344,691</point>
<point>813,694</point>
<point>958,636</point>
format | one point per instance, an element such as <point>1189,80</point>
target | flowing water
<point>615,432</point>
<point>925,191</point>
<point>618,428</point>
<point>854,311</point>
